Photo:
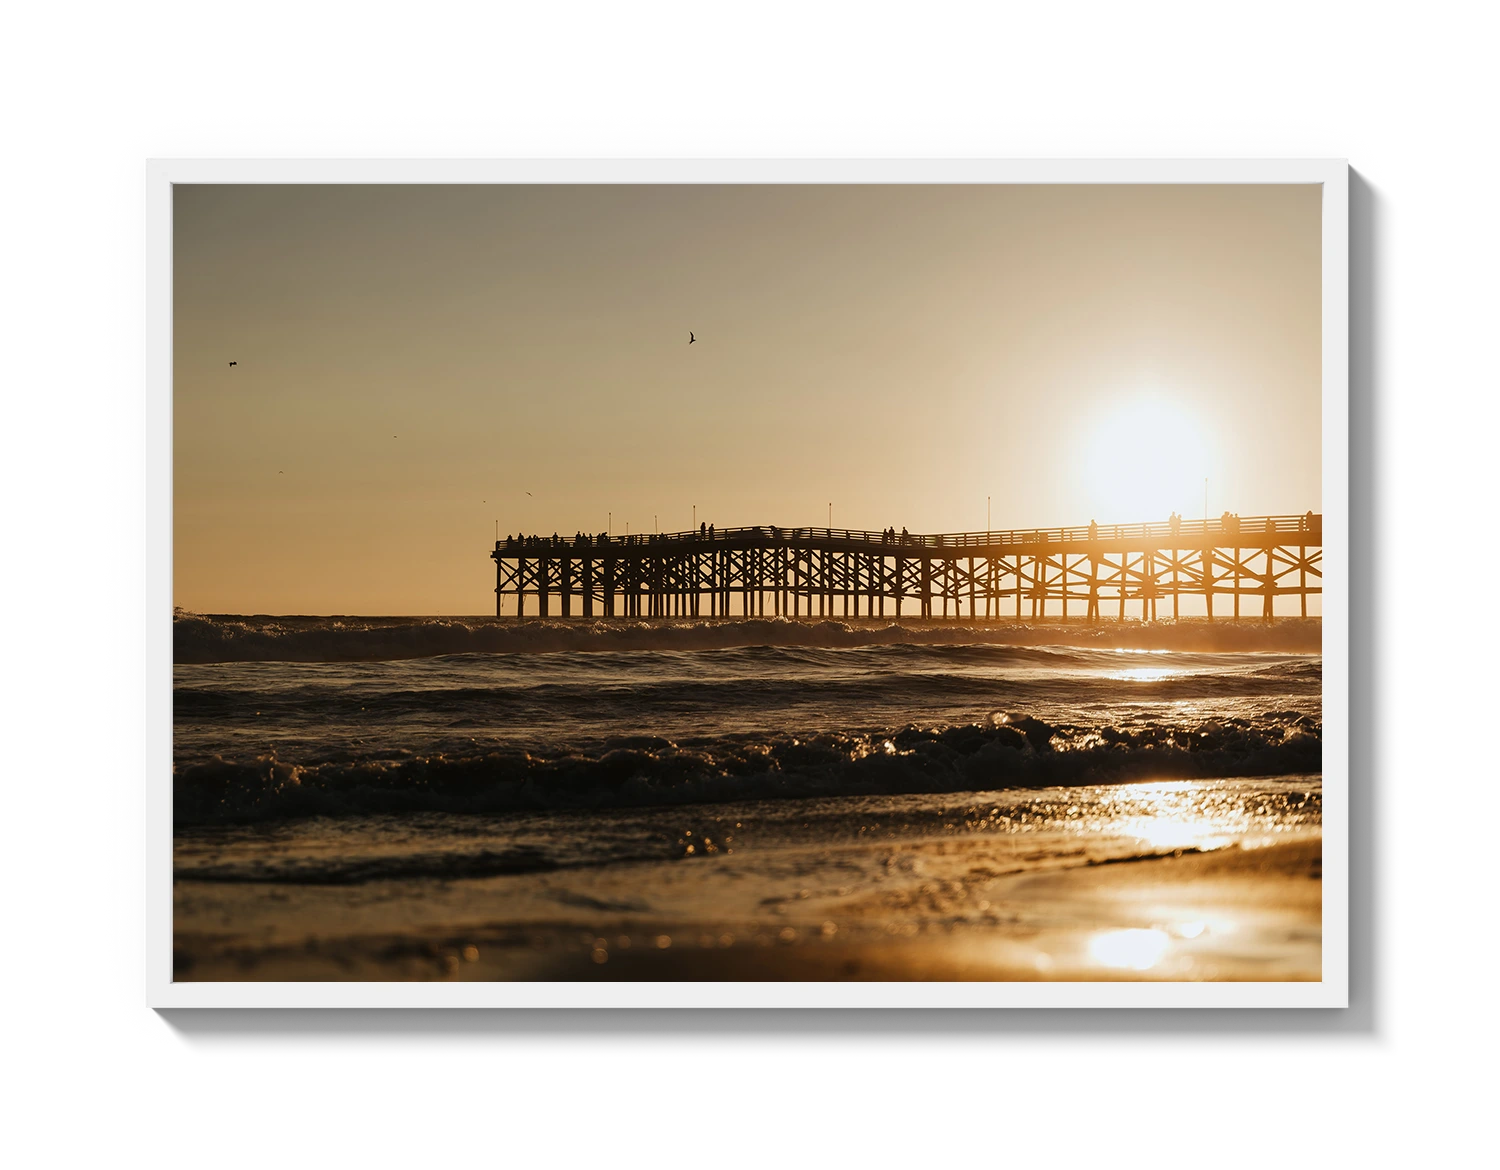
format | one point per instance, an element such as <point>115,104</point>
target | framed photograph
<point>748,584</point>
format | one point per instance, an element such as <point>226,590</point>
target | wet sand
<point>1249,911</point>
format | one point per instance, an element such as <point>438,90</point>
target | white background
<point>90,92</point>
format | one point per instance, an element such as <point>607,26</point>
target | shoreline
<point>1235,913</point>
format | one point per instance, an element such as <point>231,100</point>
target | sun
<point>1144,457</point>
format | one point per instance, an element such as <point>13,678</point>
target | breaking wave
<point>198,638</point>
<point>1004,751</point>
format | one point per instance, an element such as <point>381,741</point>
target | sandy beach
<point>927,899</point>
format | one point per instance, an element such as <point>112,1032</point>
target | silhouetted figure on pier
<point>1175,524</point>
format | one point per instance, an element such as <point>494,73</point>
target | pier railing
<point>1223,529</point>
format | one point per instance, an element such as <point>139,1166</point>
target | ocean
<point>477,798</point>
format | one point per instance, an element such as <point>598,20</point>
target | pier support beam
<point>1207,565</point>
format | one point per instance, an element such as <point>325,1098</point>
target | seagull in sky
<point>528,493</point>
<point>237,363</point>
<point>691,339</point>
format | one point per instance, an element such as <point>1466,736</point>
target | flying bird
<point>691,339</point>
<point>237,363</point>
<point>528,493</point>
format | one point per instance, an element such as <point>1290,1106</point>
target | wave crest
<point>1005,751</point>
<point>199,639</point>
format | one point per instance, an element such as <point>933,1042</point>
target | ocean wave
<point>1004,751</point>
<point>511,705</point>
<point>198,638</point>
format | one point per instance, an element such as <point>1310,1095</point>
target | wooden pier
<point>1235,564</point>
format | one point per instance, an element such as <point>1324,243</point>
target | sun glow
<point>1145,457</point>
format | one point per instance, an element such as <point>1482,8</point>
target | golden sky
<point>413,361</point>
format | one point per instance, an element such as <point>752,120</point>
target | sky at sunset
<point>416,363</point>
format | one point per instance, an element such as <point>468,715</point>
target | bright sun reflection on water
<point>1176,815</point>
<point>1136,950</point>
<point>1144,674</point>
<point>1161,833</point>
